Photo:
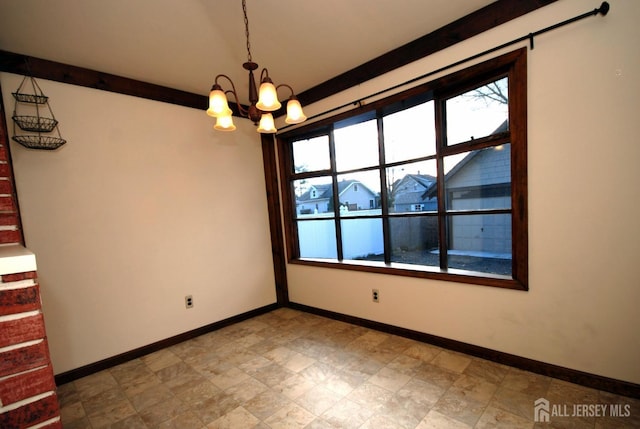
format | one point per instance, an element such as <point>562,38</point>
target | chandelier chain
<point>246,29</point>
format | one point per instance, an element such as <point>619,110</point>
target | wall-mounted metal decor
<point>31,120</point>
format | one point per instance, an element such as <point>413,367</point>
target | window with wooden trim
<point>431,182</point>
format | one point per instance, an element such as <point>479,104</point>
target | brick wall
<point>27,388</point>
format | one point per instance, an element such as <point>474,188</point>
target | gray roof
<point>324,190</point>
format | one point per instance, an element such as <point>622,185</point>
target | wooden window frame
<point>513,65</point>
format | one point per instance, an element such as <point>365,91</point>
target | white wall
<point>143,205</point>
<point>581,311</point>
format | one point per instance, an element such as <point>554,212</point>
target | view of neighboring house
<point>410,194</point>
<point>482,180</point>
<point>352,194</point>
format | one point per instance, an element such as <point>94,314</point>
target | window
<point>428,183</point>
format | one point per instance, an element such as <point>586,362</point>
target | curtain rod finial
<point>604,8</point>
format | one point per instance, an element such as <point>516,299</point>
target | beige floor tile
<point>72,412</point>
<point>319,423</point>
<point>131,422</point>
<point>160,413</point>
<point>371,396</point>
<point>142,381</point>
<point>294,386</point>
<point>452,361</point>
<point>381,422</point>
<point>198,393</point>
<point>526,382</point>
<point>160,359</point>
<point>436,375</point>
<point>514,401</point>
<point>289,369</point>
<point>424,352</point>
<point>98,402</point>
<point>569,393</point>
<point>318,400</point>
<point>437,420</point>
<point>129,371</point>
<point>151,396</point>
<point>215,407</point>
<point>82,423</point>
<point>182,421</point>
<point>458,405</point>
<point>318,373</point>
<point>238,418</point>
<point>266,404</point>
<point>111,413</point>
<point>246,390</point>
<point>405,364</point>
<point>93,384</point>
<point>272,374</point>
<point>490,371</point>
<point>347,414</point>
<point>229,378</point>
<point>298,362</point>
<point>477,388</point>
<point>291,416</point>
<point>389,379</point>
<point>67,394</point>
<point>497,418</point>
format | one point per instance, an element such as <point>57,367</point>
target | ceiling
<point>184,44</point>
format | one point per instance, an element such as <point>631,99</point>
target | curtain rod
<point>602,10</point>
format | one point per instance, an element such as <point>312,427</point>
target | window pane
<point>357,146</point>
<point>478,113</point>
<point>314,197</point>
<point>480,243</point>
<point>412,187</point>
<point>414,240</point>
<point>479,180</point>
<point>311,154</point>
<point>410,133</point>
<point>317,239</point>
<point>362,238</point>
<point>359,193</point>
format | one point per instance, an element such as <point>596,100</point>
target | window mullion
<point>334,194</point>
<point>440,124</point>
<point>386,233</point>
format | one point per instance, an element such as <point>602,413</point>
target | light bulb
<point>268,97</point>
<point>218,105</point>
<point>267,126</point>
<point>295,115</point>
<point>224,123</point>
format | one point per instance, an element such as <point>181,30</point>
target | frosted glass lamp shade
<point>295,115</point>
<point>267,126</point>
<point>224,123</point>
<point>218,105</point>
<point>268,97</point>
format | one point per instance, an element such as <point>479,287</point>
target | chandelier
<point>263,102</point>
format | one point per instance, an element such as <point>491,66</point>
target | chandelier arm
<point>293,94</point>
<point>243,112</point>
<point>264,73</point>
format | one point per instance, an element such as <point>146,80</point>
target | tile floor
<point>289,369</point>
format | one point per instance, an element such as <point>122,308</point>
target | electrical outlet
<point>375,295</point>
<point>188,301</point>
